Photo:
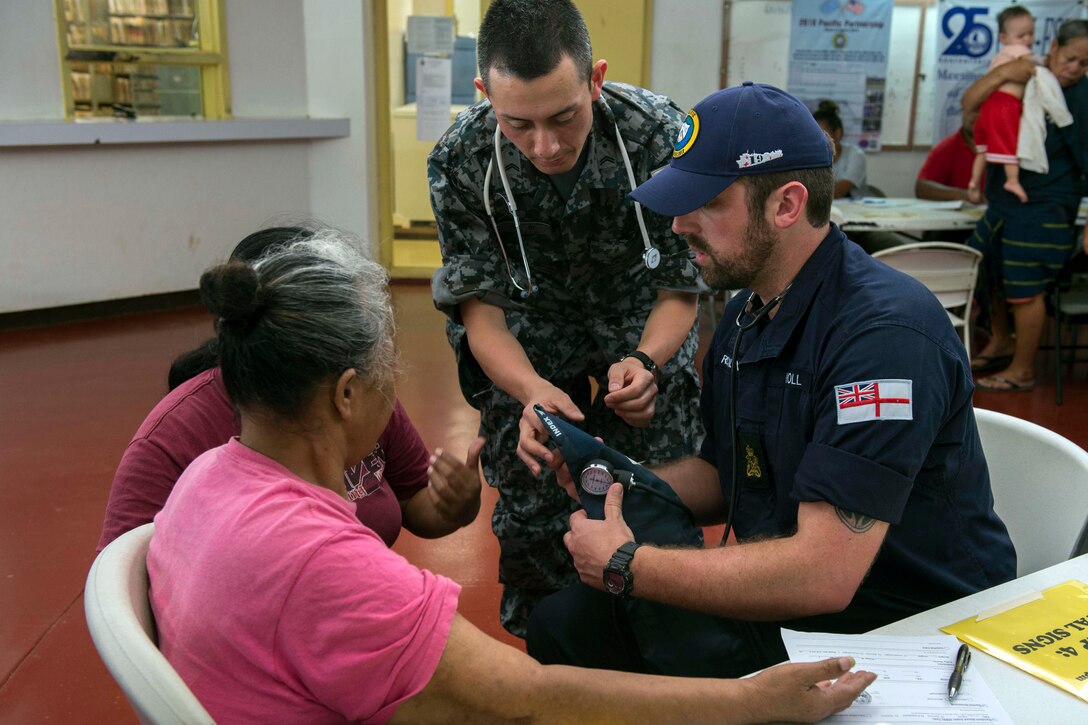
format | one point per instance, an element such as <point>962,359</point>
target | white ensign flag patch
<point>874,400</point>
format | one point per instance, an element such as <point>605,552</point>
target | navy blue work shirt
<point>858,393</point>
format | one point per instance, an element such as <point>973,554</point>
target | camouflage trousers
<point>532,513</point>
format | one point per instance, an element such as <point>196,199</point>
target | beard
<point>739,272</point>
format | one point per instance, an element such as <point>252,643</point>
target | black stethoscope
<point>651,257</point>
<point>734,369</point>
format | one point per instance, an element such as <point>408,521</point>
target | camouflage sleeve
<point>678,270</point>
<point>471,264</point>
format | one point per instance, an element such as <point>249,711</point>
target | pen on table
<point>963,658</point>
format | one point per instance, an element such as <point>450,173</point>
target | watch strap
<point>647,362</point>
<point>620,564</point>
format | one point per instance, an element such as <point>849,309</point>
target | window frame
<point>210,57</point>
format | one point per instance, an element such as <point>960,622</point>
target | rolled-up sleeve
<point>471,265</point>
<point>864,455</point>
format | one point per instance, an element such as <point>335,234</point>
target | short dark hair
<point>828,112</point>
<point>298,317</point>
<point>1011,13</point>
<point>528,39</point>
<point>819,182</point>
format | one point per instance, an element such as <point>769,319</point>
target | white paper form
<point>433,79</point>
<point>912,678</point>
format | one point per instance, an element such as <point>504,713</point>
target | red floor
<point>70,398</point>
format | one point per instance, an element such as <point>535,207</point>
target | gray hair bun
<point>232,292</point>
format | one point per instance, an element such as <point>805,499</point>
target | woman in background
<point>275,604</point>
<point>848,161</point>
<point>1026,244</point>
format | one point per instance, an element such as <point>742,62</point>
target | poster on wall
<point>839,52</point>
<point>967,40</point>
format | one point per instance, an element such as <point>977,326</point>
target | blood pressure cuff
<point>670,640</point>
<point>659,518</point>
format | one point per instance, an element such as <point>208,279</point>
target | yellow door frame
<point>382,117</point>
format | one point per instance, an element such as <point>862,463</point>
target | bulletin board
<point>757,49</point>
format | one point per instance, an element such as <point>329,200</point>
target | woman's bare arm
<point>481,680</point>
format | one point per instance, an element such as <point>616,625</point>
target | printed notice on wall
<point>839,52</point>
<point>433,84</point>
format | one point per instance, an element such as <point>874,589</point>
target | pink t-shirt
<point>275,604</point>
<point>1007,54</point>
<point>197,416</point>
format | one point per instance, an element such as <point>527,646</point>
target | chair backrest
<point>123,629</point>
<point>1040,485</point>
<point>948,270</point>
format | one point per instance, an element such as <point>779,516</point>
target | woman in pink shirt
<point>275,604</point>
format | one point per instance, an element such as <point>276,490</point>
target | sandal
<point>1004,385</point>
<point>981,363</point>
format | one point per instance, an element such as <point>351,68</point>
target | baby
<point>998,125</point>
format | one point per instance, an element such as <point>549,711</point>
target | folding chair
<point>948,270</point>
<point>1068,303</point>
<point>1040,485</point>
<point>122,626</point>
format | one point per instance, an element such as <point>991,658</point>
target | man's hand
<point>804,692</point>
<point>532,442</point>
<point>562,474</point>
<point>454,487</point>
<point>592,543</point>
<point>632,392</point>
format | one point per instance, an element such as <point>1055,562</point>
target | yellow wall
<point>620,32</point>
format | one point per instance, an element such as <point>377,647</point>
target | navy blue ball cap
<point>752,128</point>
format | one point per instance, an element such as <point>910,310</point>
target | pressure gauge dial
<point>596,477</point>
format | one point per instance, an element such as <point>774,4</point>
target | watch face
<point>596,479</point>
<point>614,582</point>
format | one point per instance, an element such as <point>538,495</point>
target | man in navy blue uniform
<point>851,470</point>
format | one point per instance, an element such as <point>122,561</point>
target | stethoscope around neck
<point>651,257</point>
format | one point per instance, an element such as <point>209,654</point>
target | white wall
<point>85,224</point>
<point>338,84</point>
<point>268,55</point>
<point>686,49</point>
<point>30,82</point>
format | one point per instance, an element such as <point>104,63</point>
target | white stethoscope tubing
<point>651,257</point>
<point>512,205</point>
<point>650,252</point>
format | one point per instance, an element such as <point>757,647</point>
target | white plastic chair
<point>123,629</point>
<point>1040,485</point>
<point>948,270</point>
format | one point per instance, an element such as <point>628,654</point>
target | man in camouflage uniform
<point>591,298</point>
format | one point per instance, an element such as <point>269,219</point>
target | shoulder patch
<point>874,400</point>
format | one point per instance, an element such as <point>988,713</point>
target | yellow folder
<point>1046,636</point>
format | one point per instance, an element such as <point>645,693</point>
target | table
<point>1026,698</point>
<point>906,215</point>
<point>915,215</point>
